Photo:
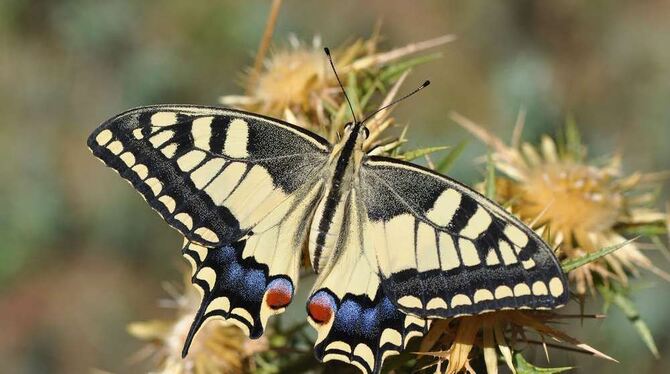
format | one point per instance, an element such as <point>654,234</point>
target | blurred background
<point>81,255</point>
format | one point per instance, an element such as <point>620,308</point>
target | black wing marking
<point>211,173</point>
<point>444,250</point>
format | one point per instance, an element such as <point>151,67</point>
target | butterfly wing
<point>255,277</point>
<point>356,321</point>
<point>444,250</point>
<point>211,173</point>
<point>238,186</point>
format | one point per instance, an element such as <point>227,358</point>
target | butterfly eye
<point>366,132</point>
<point>347,126</point>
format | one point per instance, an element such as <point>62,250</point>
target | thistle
<point>296,82</point>
<point>580,207</point>
<point>498,334</point>
<point>221,347</point>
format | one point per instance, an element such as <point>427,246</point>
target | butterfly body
<point>341,177</point>
<point>393,244</point>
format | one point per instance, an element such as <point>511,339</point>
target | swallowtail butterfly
<point>393,244</point>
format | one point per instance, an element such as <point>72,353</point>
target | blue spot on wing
<point>370,322</point>
<point>230,270</point>
<point>254,283</point>
<point>347,314</point>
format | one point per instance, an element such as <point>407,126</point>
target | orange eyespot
<point>279,293</point>
<point>321,307</point>
<point>320,313</point>
<point>277,299</point>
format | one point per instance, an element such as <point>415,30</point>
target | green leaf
<point>395,70</point>
<point>490,177</point>
<point>617,297</point>
<point>569,141</point>
<point>367,95</point>
<point>416,153</point>
<point>448,160</point>
<point>573,139</point>
<point>352,92</point>
<point>572,264</point>
<point>524,367</point>
<point>661,247</point>
<point>647,229</point>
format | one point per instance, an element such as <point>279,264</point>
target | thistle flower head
<point>495,334</point>
<point>221,347</point>
<point>581,206</point>
<point>291,78</point>
<point>296,82</point>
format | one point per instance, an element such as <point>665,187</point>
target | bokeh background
<point>81,254</point>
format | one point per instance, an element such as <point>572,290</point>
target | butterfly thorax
<point>339,178</point>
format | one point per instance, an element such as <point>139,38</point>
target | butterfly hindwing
<point>444,250</point>
<point>356,321</point>
<point>211,173</point>
<point>255,277</point>
<point>364,331</point>
<point>233,287</point>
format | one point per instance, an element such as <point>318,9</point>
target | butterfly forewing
<point>444,250</point>
<point>210,173</point>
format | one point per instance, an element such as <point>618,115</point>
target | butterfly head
<point>357,128</point>
<point>354,134</point>
<point>351,143</point>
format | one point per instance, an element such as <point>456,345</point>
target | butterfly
<point>393,244</point>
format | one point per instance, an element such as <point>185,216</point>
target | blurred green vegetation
<point>81,254</point>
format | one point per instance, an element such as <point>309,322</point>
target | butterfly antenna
<point>396,101</point>
<point>332,65</point>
